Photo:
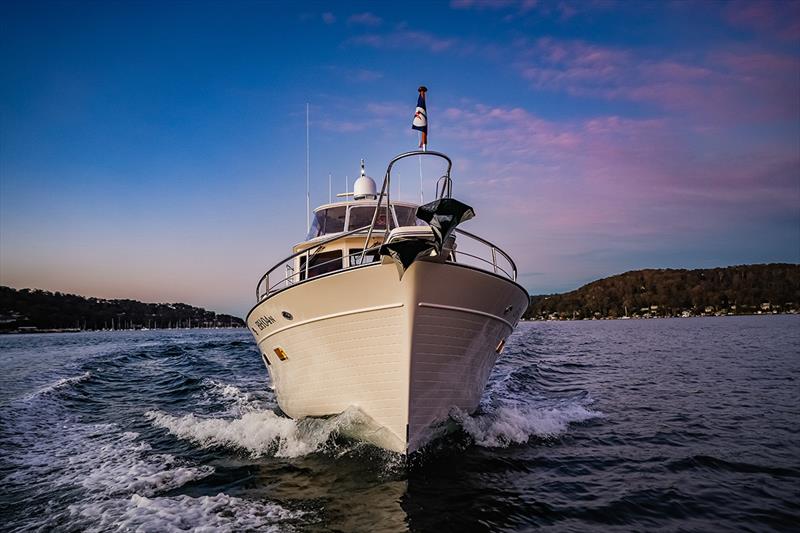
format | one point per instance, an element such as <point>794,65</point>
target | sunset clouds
<point>591,137</point>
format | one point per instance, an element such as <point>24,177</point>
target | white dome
<point>364,188</point>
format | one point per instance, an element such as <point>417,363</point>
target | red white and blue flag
<point>420,122</point>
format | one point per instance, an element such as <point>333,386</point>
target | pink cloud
<point>354,74</point>
<point>344,126</point>
<point>562,10</point>
<point>363,74</point>
<point>374,116</point>
<point>365,19</point>
<point>725,87</point>
<point>612,175</point>
<point>405,39</point>
<point>483,4</point>
<point>387,109</point>
<point>768,18</point>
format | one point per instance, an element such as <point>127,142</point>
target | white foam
<point>237,401</point>
<point>101,460</point>
<point>116,479</point>
<point>221,513</point>
<point>516,425</point>
<point>258,432</point>
<point>63,382</point>
<point>133,469</point>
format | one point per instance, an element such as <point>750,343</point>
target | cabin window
<point>355,256</point>
<point>321,263</point>
<point>407,216</point>
<point>327,221</point>
<point>362,216</point>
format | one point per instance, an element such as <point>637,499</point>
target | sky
<point>157,151</point>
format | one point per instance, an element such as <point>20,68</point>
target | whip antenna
<point>308,178</point>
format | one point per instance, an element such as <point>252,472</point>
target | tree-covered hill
<point>743,289</point>
<point>34,308</point>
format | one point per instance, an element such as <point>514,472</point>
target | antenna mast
<point>308,178</point>
<point>421,198</point>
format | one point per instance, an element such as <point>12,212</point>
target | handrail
<point>362,253</point>
<point>304,250</point>
<point>329,261</point>
<point>448,185</point>
<point>446,192</point>
<point>495,266</point>
<point>387,182</point>
<point>494,248</point>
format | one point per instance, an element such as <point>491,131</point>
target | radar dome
<point>364,188</point>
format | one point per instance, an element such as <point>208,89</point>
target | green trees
<point>669,292</point>
<point>48,310</point>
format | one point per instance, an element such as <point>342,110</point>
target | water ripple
<point>627,425</point>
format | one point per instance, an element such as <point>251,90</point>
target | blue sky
<point>157,150</point>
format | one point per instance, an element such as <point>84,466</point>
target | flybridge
<point>354,233</point>
<point>345,216</point>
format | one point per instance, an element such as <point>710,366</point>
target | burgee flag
<point>421,117</point>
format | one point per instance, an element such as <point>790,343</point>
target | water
<point>663,424</point>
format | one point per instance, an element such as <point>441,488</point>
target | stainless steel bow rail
<point>308,253</point>
<point>387,182</point>
<point>512,266</point>
<point>307,272</point>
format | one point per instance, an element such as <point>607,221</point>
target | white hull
<point>404,352</point>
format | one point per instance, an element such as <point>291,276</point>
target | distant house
<point>765,306</point>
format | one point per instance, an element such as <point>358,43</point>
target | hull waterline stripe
<point>466,310</point>
<point>334,315</point>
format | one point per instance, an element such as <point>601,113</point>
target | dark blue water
<point>678,424</point>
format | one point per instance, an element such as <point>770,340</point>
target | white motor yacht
<point>390,308</point>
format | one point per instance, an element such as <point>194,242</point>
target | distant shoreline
<point>795,313</point>
<point>726,291</point>
<point>146,330</point>
<point>76,330</point>
<point>38,311</point>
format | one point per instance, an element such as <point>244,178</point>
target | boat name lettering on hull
<point>264,322</point>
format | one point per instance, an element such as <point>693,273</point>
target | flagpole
<point>420,123</point>
<point>421,198</point>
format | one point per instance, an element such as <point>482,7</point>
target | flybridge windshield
<point>407,216</point>
<point>362,216</point>
<point>327,221</point>
<point>332,219</point>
